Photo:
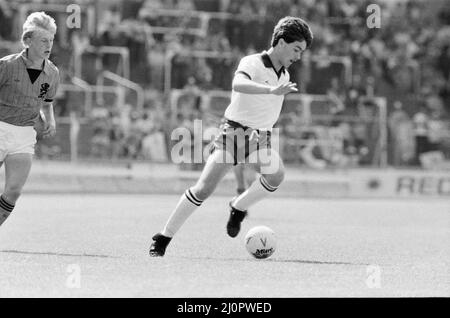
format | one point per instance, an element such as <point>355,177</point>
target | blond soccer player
<point>28,84</point>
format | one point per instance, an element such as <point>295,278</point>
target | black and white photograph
<point>225,154</point>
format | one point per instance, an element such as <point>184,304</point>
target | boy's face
<point>291,52</point>
<point>41,44</point>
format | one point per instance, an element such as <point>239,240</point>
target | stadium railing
<point>192,22</point>
<point>77,86</point>
<point>168,67</point>
<point>325,69</point>
<point>59,12</point>
<point>81,97</point>
<point>122,69</point>
<point>307,115</point>
<point>124,83</point>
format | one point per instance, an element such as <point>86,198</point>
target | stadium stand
<point>124,65</point>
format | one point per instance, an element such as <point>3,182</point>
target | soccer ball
<point>260,241</point>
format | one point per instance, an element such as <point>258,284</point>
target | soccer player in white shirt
<point>258,89</point>
<point>28,84</point>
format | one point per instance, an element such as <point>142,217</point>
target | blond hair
<point>37,21</point>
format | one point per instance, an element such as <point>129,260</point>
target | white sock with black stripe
<point>187,204</point>
<point>256,192</point>
<point>5,209</point>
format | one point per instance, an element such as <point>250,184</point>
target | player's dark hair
<point>292,29</point>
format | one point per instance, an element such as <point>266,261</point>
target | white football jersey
<point>258,111</point>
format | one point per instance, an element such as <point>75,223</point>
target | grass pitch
<point>97,246</point>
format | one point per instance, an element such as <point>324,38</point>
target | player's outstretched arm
<point>244,85</point>
<point>49,118</point>
<point>284,89</point>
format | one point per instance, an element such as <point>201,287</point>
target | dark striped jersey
<point>20,98</point>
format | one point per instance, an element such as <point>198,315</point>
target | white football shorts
<point>16,139</point>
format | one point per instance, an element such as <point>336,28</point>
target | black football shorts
<point>239,141</point>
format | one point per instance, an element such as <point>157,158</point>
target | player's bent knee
<point>275,179</point>
<point>203,191</point>
<point>12,193</point>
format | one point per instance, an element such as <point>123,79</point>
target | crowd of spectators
<point>406,60</point>
<point>127,133</point>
